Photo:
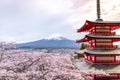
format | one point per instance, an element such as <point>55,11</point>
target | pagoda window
<point>102,29</point>
<point>103,42</point>
<point>102,58</point>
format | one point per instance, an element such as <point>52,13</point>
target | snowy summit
<point>55,37</point>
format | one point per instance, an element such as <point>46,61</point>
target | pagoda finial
<point>98,11</point>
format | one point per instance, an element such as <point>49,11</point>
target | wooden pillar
<point>114,58</point>
<point>91,43</point>
<point>95,43</point>
<point>95,58</point>
<point>95,29</point>
<point>110,30</point>
<point>90,31</point>
<point>112,43</point>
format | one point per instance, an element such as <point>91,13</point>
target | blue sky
<point>29,20</point>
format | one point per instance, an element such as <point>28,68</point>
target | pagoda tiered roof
<point>93,36</point>
<point>90,24</point>
<point>85,39</point>
<point>101,37</point>
<point>104,36</point>
<point>103,51</point>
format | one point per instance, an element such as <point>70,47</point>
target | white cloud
<point>7,38</point>
<point>26,20</point>
<point>54,6</point>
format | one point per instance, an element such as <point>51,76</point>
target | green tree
<point>83,46</point>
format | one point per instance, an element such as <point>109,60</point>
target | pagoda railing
<point>107,77</point>
<point>103,61</point>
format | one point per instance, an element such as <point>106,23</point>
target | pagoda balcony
<point>102,47</point>
<point>103,62</point>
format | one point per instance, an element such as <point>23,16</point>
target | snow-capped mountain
<point>55,37</point>
<point>55,42</point>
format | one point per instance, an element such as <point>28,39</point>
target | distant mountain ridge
<point>57,42</point>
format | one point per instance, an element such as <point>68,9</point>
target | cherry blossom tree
<point>38,66</point>
<point>3,47</point>
<point>35,65</point>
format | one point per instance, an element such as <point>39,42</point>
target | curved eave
<point>81,40</point>
<point>80,52</point>
<point>89,24</point>
<point>113,24</point>
<point>104,23</point>
<point>100,52</point>
<point>85,27</point>
<point>104,36</point>
<point>85,39</point>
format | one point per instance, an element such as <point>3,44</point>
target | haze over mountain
<point>53,42</point>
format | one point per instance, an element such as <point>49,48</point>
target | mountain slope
<point>50,43</point>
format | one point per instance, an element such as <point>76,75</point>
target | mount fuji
<point>54,42</point>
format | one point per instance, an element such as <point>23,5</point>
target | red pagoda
<point>100,49</point>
